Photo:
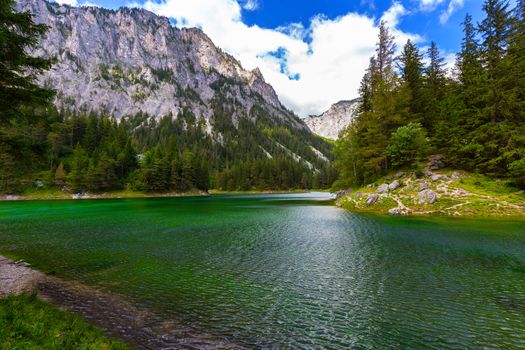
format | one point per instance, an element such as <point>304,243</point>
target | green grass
<point>27,323</point>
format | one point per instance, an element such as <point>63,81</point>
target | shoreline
<point>132,195</point>
<point>115,315</point>
<point>438,193</point>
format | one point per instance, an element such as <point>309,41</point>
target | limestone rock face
<point>132,61</point>
<point>330,123</point>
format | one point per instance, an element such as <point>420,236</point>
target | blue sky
<point>314,52</point>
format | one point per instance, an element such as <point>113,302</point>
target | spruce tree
<point>18,69</point>
<point>495,31</point>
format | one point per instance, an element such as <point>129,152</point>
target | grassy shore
<point>55,193</point>
<point>458,193</point>
<point>28,323</point>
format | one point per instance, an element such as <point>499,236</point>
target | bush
<point>408,144</point>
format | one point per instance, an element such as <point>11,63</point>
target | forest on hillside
<point>474,115</point>
<point>44,147</point>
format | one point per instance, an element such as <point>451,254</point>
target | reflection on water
<point>287,271</point>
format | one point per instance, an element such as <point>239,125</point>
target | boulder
<point>382,189</point>
<point>436,177</point>
<point>427,197</point>
<point>343,193</point>
<point>423,186</point>
<point>455,176</point>
<point>372,198</point>
<point>395,211</point>
<point>436,162</point>
<point>394,185</point>
<point>399,174</point>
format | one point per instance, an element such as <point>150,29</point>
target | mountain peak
<point>331,122</point>
<point>132,61</point>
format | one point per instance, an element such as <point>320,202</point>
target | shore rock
<point>343,193</point>
<point>382,188</point>
<point>372,198</point>
<point>395,211</point>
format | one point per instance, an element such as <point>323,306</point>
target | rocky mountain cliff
<point>335,119</point>
<point>129,61</point>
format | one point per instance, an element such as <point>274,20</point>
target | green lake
<point>287,271</point>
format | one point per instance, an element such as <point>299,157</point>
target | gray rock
<point>382,188</point>
<point>436,162</point>
<point>394,185</point>
<point>436,178</point>
<point>372,198</point>
<point>427,172</point>
<point>399,174</point>
<point>357,195</point>
<point>455,176</point>
<point>395,211</point>
<point>343,193</point>
<point>427,197</point>
<point>423,186</point>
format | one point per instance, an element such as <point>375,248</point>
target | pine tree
<point>434,87</point>
<point>495,30</point>
<point>412,77</point>
<point>18,69</point>
<point>79,167</point>
<point>60,175</point>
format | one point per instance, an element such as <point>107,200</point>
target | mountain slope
<point>129,61</point>
<point>336,118</point>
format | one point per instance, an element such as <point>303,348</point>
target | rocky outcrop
<point>427,197</point>
<point>330,123</point>
<point>132,61</point>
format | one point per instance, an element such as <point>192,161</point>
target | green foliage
<point>30,324</point>
<point>408,145</point>
<point>476,119</point>
<point>18,70</point>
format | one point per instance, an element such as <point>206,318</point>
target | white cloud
<point>429,5</point>
<point>251,5</point>
<point>317,65</point>
<point>68,2</point>
<point>453,6</point>
<point>393,15</point>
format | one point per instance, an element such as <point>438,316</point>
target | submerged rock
<point>382,188</point>
<point>372,198</point>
